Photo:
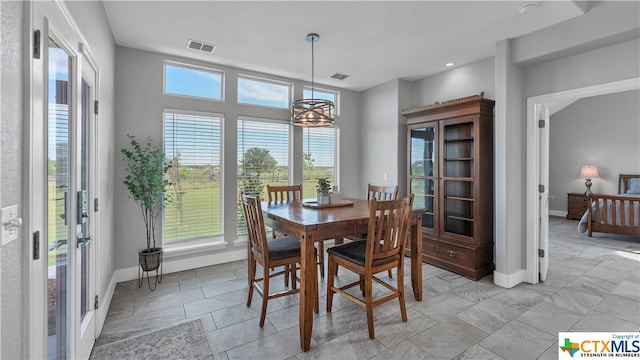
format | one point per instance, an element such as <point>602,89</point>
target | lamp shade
<point>312,112</point>
<point>589,172</point>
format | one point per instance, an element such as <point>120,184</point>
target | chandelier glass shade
<point>312,112</point>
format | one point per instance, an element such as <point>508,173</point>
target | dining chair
<point>383,250</point>
<point>382,192</point>
<point>285,193</point>
<point>378,192</point>
<point>283,251</point>
<point>293,193</point>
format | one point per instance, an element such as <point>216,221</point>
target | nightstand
<point>576,205</point>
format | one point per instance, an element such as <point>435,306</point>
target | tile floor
<point>593,285</point>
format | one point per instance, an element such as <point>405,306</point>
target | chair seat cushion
<point>355,252</point>
<point>284,247</point>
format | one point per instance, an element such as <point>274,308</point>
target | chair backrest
<point>388,228</point>
<point>285,193</point>
<point>255,225</point>
<point>382,192</point>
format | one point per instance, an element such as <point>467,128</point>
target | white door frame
<point>35,315</point>
<point>533,151</point>
<point>84,334</point>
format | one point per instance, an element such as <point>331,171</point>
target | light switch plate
<point>9,233</point>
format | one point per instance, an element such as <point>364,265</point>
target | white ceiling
<point>373,41</point>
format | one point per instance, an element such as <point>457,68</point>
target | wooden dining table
<point>309,225</point>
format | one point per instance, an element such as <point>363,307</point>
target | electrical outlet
<point>10,224</point>
<point>385,176</point>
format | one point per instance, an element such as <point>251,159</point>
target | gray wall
<point>12,71</point>
<point>602,131</point>
<point>92,22</point>
<point>379,153</point>
<point>598,66</point>
<point>461,81</point>
<point>140,99</point>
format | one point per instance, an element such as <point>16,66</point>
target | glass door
<point>458,171</point>
<point>84,268</point>
<point>423,172</point>
<point>58,179</point>
<point>61,149</point>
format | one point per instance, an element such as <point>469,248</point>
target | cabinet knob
<point>452,253</point>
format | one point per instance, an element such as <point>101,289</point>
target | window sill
<point>188,249</point>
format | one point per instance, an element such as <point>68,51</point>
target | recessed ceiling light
<point>527,7</point>
<point>448,64</point>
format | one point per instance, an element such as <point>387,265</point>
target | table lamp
<point>589,172</point>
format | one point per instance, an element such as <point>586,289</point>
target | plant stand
<point>150,261</point>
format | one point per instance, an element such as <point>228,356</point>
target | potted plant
<point>146,182</point>
<point>323,187</point>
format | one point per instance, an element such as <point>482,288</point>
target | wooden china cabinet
<point>450,171</point>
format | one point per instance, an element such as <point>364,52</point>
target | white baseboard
<point>104,304</point>
<point>509,280</point>
<point>181,264</point>
<point>558,213</point>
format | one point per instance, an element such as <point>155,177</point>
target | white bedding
<point>583,226</point>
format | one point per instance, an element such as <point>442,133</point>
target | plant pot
<point>323,199</point>
<point>150,259</point>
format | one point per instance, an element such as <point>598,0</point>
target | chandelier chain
<point>313,40</point>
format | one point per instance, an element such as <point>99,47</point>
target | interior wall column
<point>509,140</point>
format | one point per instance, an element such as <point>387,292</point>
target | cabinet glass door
<point>422,171</point>
<point>458,196</point>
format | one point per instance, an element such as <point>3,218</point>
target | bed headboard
<point>623,182</point>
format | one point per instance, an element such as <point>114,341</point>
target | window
<point>263,158</point>
<point>192,81</point>
<point>319,159</point>
<point>192,144</point>
<point>263,92</point>
<point>321,94</point>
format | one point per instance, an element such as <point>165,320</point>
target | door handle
<point>83,241</point>
<point>56,244</point>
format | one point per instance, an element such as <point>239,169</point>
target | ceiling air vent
<point>199,45</point>
<point>339,76</point>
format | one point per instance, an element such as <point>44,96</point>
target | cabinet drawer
<point>448,253</point>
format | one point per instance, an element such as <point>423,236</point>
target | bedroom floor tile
<point>593,285</point>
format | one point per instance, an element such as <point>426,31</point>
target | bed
<point>614,214</point>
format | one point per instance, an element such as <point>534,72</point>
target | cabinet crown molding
<point>449,104</point>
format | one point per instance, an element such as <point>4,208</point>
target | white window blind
<point>193,143</point>
<point>263,158</point>
<point>319,161</point>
